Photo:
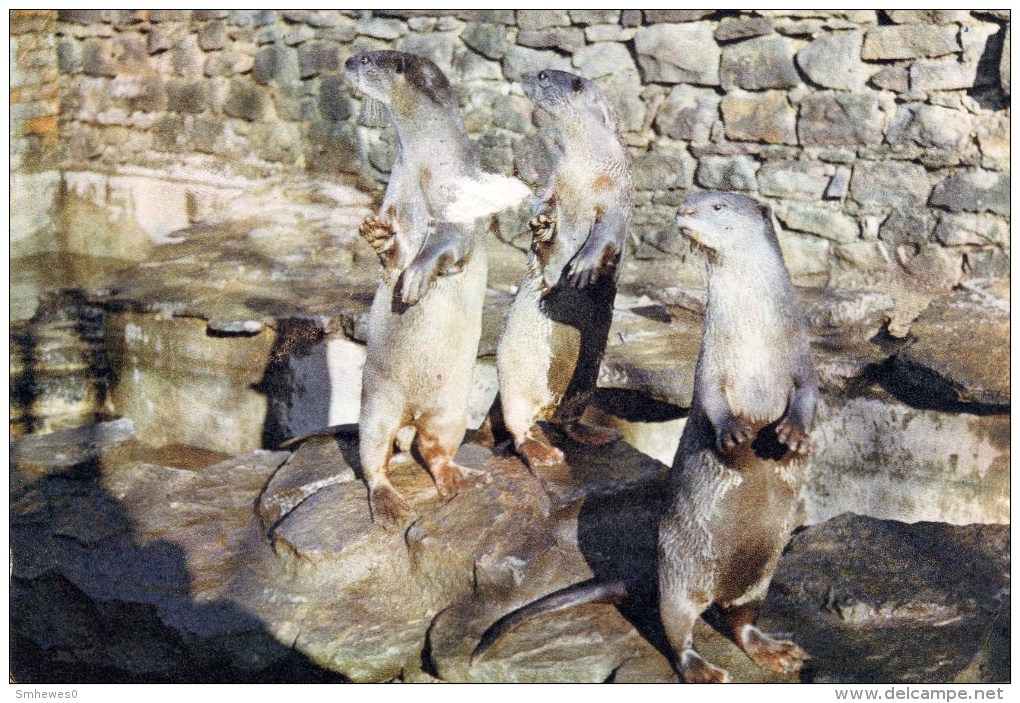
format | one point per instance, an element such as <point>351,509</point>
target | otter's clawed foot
<point>590,263</point>
<point>542,228</point>
<point>591,435</point>
<point>733,432</point>
<point>389,509</point>
<point>537,454</point>
<point>378,233</point>
<point>694,669</point>
<point>452,477</point>
<point>779,656</point>
<point>792,434</point>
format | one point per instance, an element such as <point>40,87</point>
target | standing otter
<point>549,354</point>
<point>738,472</point>
<point>425,321</point>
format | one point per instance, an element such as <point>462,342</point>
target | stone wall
<point>881,138</point>
<point>35,105</point>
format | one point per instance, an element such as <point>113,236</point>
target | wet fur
<point>425,321</point>
<point>733,504</point>
<point>556,330</point>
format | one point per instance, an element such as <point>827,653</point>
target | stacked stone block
<point>880,137</point>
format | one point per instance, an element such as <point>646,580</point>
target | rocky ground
<point>131,563</point>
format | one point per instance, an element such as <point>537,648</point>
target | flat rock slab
<point>267,566</point>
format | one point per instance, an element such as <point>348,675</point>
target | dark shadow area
<point>987,88</point>
<point>94,601</point>
<point>635,406</point>
<point>920,388</point>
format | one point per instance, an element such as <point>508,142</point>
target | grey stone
<point>333,101</point>
<point>469,66</point>
<point>249,18</point>
<point>321,19</point>
<point>966,367</point>
<point>895,78</point>
<point>277,142</point>
<point>824,222</point>
<point>667,16</point>
<point>487,39</point>
<point>203,15</point>
<point>190,97</point>
<point>504,17</point>
<point>907,226</point>
<point>630,18</point>
<point>169,15</point>
<point>931,126</point>
<point>609,32</point>
<point>986,263</point>
<point>688,113</point>
<point>942,75</point>
<point>97,58</point>
<point>798,180</point>
<point>82,16</point>
<point>1004,63</point>
<point>168,134</point>
<point>421,24</point>
<point>437,46</point>
<point>585,17</point>
<point>166,36</point>
<point>664,167</point>
<point>981,229</point>
<point>678,53</point>
<point>213,36</point>
<point>205,134</point>
<point>806,256</point>
<point>381,28</point>
<point>568,39</point>
<point>733,28</point>
<point>909,41</point>
<point>316,57</point>
<point>275,63</point>
<point>520,60</point>
<point>897,184</point>
<point>766,117</point>
<point>332,147</point>
<point>973,191</point>
<point>542,19</point>
<point>926,16</point>
<point>244,101</point>
<point>299,35</point>
<point>834,61</point>
<point>758,64</point>
<point>69,59</point>
<point>840,119</point>
<point>727,172</point>
<point>839,186</point>
<point>604,59</point>
<point>228,63</point>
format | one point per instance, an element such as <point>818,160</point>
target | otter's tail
<point>579,594</point>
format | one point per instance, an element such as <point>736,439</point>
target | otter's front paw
<point>590,263</point>
<point>733,432</point>
<point>793,434</point>
<point>542,229</point>
<point>415,281</point>
<point>378,233</point>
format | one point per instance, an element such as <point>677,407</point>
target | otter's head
<point>725,222</point>
<point>568,97</point>
<point>384,75</point>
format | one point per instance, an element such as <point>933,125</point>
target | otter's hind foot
<point>780,656</point>
<point>537,454</point>
<point>452,477</point>
<point>542,228</point>
<point>792,434</point>
<point>592,435</point>
<point>389,509</point>
<point>694,669</point>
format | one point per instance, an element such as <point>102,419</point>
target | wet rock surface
<point>131,563</point>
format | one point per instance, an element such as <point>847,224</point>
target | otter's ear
<point>401,65</point>
<point>765,211</point>
<point>577,84</point>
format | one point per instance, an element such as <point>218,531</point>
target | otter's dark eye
<point>364,60</point>
<point>718,206</point>
<point>578,84</point>
<point>542,75</point>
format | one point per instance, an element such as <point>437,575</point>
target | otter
<point>736,478</point>
<point>556,330</point>
<point>425,321</point>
